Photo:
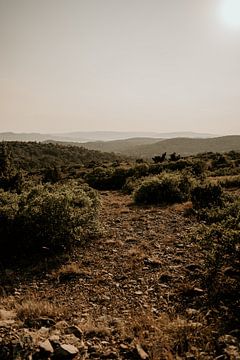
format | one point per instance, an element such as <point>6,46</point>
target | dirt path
<point>142,261</point>
<point>143,266</point>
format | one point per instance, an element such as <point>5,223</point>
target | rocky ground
<point>133,293</point>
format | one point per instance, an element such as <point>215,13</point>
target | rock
<point>61,325</point>
<point>192,312</point>
<point>198,291</point>
<point>138,292</point>
<point>66,351</point>
<point>190,356</point>
<point>43,331</point>
<point>75,331</point>
<point>46,347</point>
<point>142,354</point>
<point>54,339</point>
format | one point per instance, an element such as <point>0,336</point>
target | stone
<point>75,330</point>
<point>46,347</point>
<point>142,354</point>
<point>61,325</point>
<point>66,351</point>
<point>191,311</point>
<point>138,292</point>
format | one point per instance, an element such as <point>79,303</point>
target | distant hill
<point>149,147</point>
<point>186,146</point>
<point>117,146</point>
<point>89,136</point>
<point>34,156</point>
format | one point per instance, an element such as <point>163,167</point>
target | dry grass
<point>32,310</point>
<point>166,339</point>
<point>92,328</point>
<point>67,272</point>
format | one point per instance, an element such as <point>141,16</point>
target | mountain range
<point>145,147</point>
<point>86,136</point>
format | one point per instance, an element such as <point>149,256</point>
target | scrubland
<point>120,258</point>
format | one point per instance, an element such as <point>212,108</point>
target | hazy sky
<point>157,65</point>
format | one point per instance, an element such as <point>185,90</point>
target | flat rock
<point>46,347</point>
<point>66,351</point>
<point>75,330</point>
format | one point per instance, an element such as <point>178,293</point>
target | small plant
<point>32,311</point>
<point>52,175</point>
<point>164,189</point>
<point>107,179</point>
<point>174,157</point>
<point>159,158</point>
<point>50,217</point>
<point>218,237</point>
<point>206,195</point>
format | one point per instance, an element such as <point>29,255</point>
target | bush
<point>107,179</point>
<point>49,217</point>
<point>219,240</point>
<point>164,189</point>
<point>206,195</point>
<point>131,184</point>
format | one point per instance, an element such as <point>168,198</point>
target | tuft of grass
<point>31,310</point>
<point>67,272</point>
<point>165,338</point>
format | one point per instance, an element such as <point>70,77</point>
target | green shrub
<point>50,216</point>
<point>131,184</point>
<point>164,189</point>
<point>206,195</point>
<point>219,239</point>
<point>107,179</point>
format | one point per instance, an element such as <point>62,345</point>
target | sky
<point>120,65</point>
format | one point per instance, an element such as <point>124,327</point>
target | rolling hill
<point>89,136</point>
<point>148,147</point>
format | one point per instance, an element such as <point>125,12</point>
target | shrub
<point>219,240</point>
<point>164,189</point>
<point>177,165</point>
<point>131,184</point>
<point>107,179</point>
<point>198,168</point>
<point>52,175</point>
<point>206,195</point>
<point>50,217</point>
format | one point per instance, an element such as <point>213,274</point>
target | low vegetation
<point>166,188</point>
<point>47,218</point>
<point>152,270</point>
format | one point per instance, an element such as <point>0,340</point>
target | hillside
<point>32,155</point>
<point>183,146</point>
<point>85,136</point>
<point>134,293</point>
<point>126,146</point>
<point>118,262</point>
